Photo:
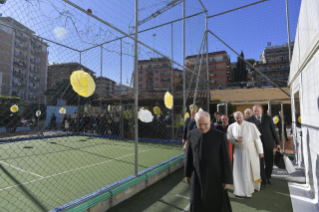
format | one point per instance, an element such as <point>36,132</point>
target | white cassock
<point>246,165</point>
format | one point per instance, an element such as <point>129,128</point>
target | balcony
<point>17,74</point>
<point>34,79</point>
<point>20,65</point>
<point>22,56</point>
<point>276,53</point>
<point>33,88</point>
<point>35,61</point>
<point>36,53</point>
<point>274,69</point>
<point>16,94</point>
<point>35,70</point>
<point>33,97</point>
<point>33,43</point>
<point>18,85</point>
<point>21,37</point>
<point>20,46</point>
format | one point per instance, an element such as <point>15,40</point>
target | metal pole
<point>226,109</point>
<point>282,127</point>
<point>121,102</point>
<point>184,71</point>
<point>249,64</point>
<point>101,96</point>
<point>78,117</point>
<point>288,28</point>
<point>136,85</point>
<point>269,107</point>
<point>199,70</point>
<point>207,64</point>
<point>172,80</point>
<point>194,73</point>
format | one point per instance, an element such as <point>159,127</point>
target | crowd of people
<point>223,152</point>
<point>104,123</point>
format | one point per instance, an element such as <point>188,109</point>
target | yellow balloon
<point>186,116</point>
<point>168,100</point>
<point>109,108</point>
<point>82,83</point>
<point>156,110</point>
<point>14,108</point>
<point>299,119</point>
<point>191,107</point>
<point>62,110</point>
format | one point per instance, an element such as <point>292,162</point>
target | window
<point>141,86</point>
<point>297,110</point>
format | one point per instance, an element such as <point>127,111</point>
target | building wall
<point>217,65</point>
<point>156,75</point>
<point>23,67</point>
<point>274,63</point>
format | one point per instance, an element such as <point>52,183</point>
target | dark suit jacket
<point>267,131</point>
<point>189,124</point>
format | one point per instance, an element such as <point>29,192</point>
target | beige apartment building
<point>104,86</point>
<point>219,73</point>
<point>274,63</point>
<point>23,62</point>
<point>156,75</point>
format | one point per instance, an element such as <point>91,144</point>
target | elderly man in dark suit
<point>188,126</point>
<point>268,133</point>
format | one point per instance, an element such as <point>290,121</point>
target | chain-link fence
<point>62,141</point>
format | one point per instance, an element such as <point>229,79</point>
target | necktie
<point>258,122</point>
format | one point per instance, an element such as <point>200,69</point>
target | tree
<point>241,72</point>
<point>63,90</point>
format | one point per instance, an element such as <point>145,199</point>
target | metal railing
<point>18,74</point>
<point>21,65</point>
<point>20,55</point>
<point>21,37</point>
<point>19,45</point>
<point>35,61</point>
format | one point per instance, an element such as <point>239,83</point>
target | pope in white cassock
<point>247,151</point>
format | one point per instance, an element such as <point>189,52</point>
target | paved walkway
<point>171,195</point>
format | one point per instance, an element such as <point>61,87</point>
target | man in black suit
<point>188,126</point>
<point>268,134</point>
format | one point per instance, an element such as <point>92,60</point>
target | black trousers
<point>268,160</point>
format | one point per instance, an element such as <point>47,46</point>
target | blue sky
<point>248,30</point>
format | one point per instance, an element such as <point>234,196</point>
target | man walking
<point>207,167</point>
<point>268,133</point>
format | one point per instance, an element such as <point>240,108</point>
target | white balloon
<point>145,115</point>
<point>60,33</point>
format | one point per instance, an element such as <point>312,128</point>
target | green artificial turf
<point>40,175</point>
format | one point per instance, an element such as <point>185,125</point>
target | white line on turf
<point>71,170</point>
<point>181,196</point>
<point>186,208</point>
<point>20,169</point>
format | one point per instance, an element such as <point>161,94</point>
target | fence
<point>59,146</point>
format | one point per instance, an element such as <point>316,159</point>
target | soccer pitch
<point>42,174</point>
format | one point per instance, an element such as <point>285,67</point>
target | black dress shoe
<point>262,187</point>
<point>269,181</point>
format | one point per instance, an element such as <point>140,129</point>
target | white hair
<point>238,112</point>
<point>248,109</point>
<point>201,114</point>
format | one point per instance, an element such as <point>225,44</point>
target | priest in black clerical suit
<point>207,167</point>
<point>268,133</point>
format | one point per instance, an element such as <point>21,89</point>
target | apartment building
<point>218,71</point>
<point>156,74</point>
<point>59,71</point>
<point>274,63</point>
<point>104,86</point>
<point>23,62</point>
